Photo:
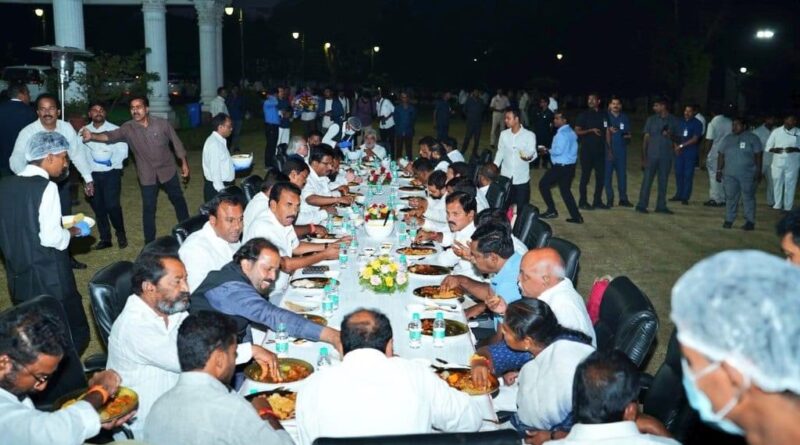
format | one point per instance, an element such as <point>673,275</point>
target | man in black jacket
<point>15,114</point>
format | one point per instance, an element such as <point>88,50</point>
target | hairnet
<point>743,307</point>
<point>354,122</point>
<point>45,143</point>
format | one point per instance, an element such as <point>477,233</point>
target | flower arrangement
<point>379,176</point>
<point>382,275</point>
<point>376,211</point>
<point>304,102</point>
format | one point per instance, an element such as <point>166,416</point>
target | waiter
<point>32,239</point>
<point>149,138</point>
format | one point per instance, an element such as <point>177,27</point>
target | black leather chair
<point>527,229</point>
<point>501,437</point>
<point>183,229</point>
<point>499,193</point>
<point>280,159</point>
<point>628,321</point>
<point>109,289</point>
<point>570,253</point>
<point>485,156</point>
<point>665,399</point>
<point>251,186</point>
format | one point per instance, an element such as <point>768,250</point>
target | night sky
<point>629,47</point>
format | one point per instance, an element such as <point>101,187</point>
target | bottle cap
<point>415,316</point>
<point>323,350</point>
<point>439,315</point>
<point>281,326</point>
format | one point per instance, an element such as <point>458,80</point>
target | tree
<point>112,78</point>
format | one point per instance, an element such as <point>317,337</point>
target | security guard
<point>739,170</point>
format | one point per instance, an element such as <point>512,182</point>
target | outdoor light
<point>229,10</point>
<point>376,48</point>
<point>475,59</point>
<point>743,70</point>
<point>39,12</point>
<point>295,35</point>
<point>765,34</point>
<point>559,56</point>
<point>327,45</point>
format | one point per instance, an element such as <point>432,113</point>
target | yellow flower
<point>375,264</point>
<point>389,281</point>
<point>367,272</point>
<point>393,267</point>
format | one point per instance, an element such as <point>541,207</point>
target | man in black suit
<point>15,114</point>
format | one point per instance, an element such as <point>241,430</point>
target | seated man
<point>457,170</point>
<point>541,276</point>
<point>451,145</point>
<point>464,184</point>
<point>275,225</point>
<point>239,289</point>
<point>298,148</point>
<point>370,147</point>
<point>492,253</point>
<point>260,203</point>
<point>316,192</point>
<point>605,405</point>
<point>340,177</point>
<point>213,246</point>
<point>425,143</point>
<point>460,223</point>
<point>207,355</point>
<point>142,346</point>
<point>390,395</point>
<point>431,211</point>
<point>422,169</point>
<point>487,174</point>
<point>32,343</point>
<point>788,229</point>
<point>497,216</point>
<point>298,171</point>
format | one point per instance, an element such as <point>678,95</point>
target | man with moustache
<point>239,289</point>
<point>461,210</point>
<point>47,110</point>
<point>142,346</point>
<point>149,137</point>
<point>591,127</point>
<point>32,239</point>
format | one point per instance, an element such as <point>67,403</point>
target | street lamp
<point>743,70</point>
<point>327,46</point>
<point>375,49</point>
<point>765,34</point>
<point>559,56</point>
<point>40,13</point>
<point>295,35</point>
<point>475,59</point>
<point>229,10</point>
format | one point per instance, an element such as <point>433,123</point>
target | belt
<point>562,165</point>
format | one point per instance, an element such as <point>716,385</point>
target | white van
<point>34,76</point>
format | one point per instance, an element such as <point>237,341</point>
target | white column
<point>155,39</point>
<point>220,10</point>
<point>68,24</point>
<point>206,23</point>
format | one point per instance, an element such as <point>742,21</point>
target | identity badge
<point>622,125</point>
<point>742,145</point>
<point>685,133</point>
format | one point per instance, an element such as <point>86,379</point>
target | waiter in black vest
<point>32,239</point>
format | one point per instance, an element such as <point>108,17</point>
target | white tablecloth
<point>456,350</point>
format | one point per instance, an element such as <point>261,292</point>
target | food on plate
<point>461,380</point>
<point>125,401</point>
<point>310,283</point>
<point>321,236</point>
<point>416,251</point>
<point>436,293</point>
<point>452,328</point>
<point>291,369</point>
<point>282,405</point>
<point>411,188</point>
<point>428,269</point>
<point>300,308</point>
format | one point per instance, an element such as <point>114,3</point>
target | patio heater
<point>62,58</point>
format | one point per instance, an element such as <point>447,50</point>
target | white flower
<point>401,278</point>
<point>375,280</point>
<point>385,269</point>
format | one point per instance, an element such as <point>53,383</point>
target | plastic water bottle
<point>438,330</point>
<point>329,223</point>
<point>342,256</point>
<point>327,305</point>
<point>324,359</point>
<point>282,341</point>
<point>353,246</point>
<point>335,298</point>
<point>403,262</point>
<point>415,331</point>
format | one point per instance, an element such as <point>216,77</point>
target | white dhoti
<point>716,192</point>
<point>784,177</point>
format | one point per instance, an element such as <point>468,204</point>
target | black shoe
<point>675,199</point>
<point>122,241</point>
<point>585,206</point>
<point>685,202</point>
<point>578,220</point>
<point>665,211</point>
<point>710,203</point>
<point>748,226</point>
<point>625,203</point>
<point>719,204</point>
<point>601,206</point>
<point>641,210</point>
<point>549,215</point>
<point>76,264</point>
<point>727,225</point>
<point>102,245</point>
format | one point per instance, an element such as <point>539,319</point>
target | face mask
<point>349,131</point>
<point>700,402</point>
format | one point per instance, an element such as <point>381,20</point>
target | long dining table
<point>456,350</point>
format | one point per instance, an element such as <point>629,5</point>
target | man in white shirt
<point>342,136</point>
<point>218,105</point>
<point>330,108</point>
<point>464,184</point>
<point>298,171</point>
<point>297,146</point>
<point>213,246</point>
<point>374,393</point>
<point>719,127</point>
<point>451,146</point>
<point>552,102</point>
<point>431,211</point>
<point>784,143</point>
<point>32,239</point>
<point>316,192</point>
<point>142,346</point>
<point>32,344</point>
<point>461,210</point>
<point>370,148</point>
<point>498,105</point>
<point>276,226</point>
<point>763,131</point>
<point>107,177</point>
<point>524,103</point>
<point>385,110</point>
<point>605,406</point>
<point>515,150</point>
<point>345,101</point>
<point>487,174</point>
<point>207,356</point>
<point>218,168</point>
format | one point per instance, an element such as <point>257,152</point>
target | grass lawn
<point>653,250</point>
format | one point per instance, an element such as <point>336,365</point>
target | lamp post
<point>302,37</point>
<point>765,34</point>
<point>559,56</point>
<point>40,13</point>
<point>229,10</point>
<point>375,49</point>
